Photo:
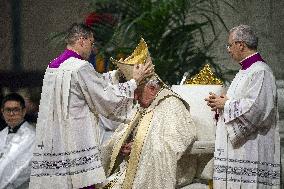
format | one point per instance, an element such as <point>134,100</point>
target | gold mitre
<point>138,56</point>
<point>204,77</point>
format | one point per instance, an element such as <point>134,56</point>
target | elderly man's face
<point>145,95</point>
<point>13,113</point>
<point>234,48</point>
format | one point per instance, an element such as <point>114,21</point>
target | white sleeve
<point>113,101</point>
<point>111,77</point>
<point>247,115</point>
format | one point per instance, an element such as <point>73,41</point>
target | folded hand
<point>216,102</point>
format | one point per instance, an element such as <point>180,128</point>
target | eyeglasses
<point>229,45</point>
<point>12,110</point>
<point>93,44</point>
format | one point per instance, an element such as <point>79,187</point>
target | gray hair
<point>76,31</point>
<point>246,34</point>
<point>155,82</point>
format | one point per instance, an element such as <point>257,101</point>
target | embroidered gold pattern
<point>136,150</point>
<point>138,56</point>
<point>117,147</point>
<point>204,77</point>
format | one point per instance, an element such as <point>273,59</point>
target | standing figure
<point>247,148</point>
<point>16,144</point>
<point>67,152</point>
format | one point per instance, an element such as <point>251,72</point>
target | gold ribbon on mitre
<point>204,77</point>
<point>138,56</point>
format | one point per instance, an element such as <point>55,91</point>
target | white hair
<point>246,34</point>
<point>154,82</point>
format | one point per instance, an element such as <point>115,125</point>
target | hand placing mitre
<point>216,102</point>
<point>142,71</point>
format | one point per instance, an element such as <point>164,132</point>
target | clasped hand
<point>216,102</point>
<point>126,149</point>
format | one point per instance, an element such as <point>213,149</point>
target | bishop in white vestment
<point>160,134</point>
<point>145,153</point>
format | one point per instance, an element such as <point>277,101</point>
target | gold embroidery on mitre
<point>204,77</point>
<point>138,56</point>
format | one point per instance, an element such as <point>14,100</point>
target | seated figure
<point>145,153</point>
<point>16,144</point>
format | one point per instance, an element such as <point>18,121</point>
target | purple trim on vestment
<point>64,56</point>
<point>247,62</point>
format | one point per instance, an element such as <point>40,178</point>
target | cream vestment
<point>161,134</point>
